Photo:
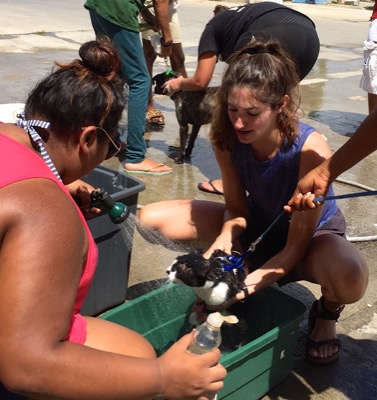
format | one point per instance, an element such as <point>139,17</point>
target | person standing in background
<point>368,80</point>
<point>154,116</point>
<point>118,19</point>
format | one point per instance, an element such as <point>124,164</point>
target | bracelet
<point>166,44</point>
<point>245,291</point>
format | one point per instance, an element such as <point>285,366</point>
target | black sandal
<point>326,315</point>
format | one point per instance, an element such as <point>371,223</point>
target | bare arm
<point>317,182</point>
<point>236,207</point>
<point>43,246</point>
<point>200,80</point>
<point>161,9</point>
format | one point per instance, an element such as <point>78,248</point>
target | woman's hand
<point>173,85</point>
<point>80,191</point>
<point>189,375</point>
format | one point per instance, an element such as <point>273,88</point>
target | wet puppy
<point>207,278</point>
<point>195,108</point>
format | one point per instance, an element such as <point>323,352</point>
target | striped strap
<point>29,128</point>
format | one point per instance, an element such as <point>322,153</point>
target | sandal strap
<point>326,314</point>
<point>316,345</point>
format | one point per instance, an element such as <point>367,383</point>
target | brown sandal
<point>325,314</point>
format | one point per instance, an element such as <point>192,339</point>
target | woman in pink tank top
<point>48,255</point>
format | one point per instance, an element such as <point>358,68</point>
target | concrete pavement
<point>34,33</point>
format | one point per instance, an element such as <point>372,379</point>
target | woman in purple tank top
<point>262,150</point>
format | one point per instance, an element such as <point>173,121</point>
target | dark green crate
<point>273,319</point>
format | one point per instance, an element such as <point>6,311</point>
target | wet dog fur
<point>195,108</point>
<point>206,277</point>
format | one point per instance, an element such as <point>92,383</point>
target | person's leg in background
<point>136,74</point>
<point>177,61</point>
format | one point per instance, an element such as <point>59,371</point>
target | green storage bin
<point>266,359</point>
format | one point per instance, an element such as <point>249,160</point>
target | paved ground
<point>32,36</point>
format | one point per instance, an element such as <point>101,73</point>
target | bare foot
<point>148,167</point>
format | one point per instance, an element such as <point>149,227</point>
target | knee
<point>148,223</point>
<point>354,281</point>
<point>147,217</point>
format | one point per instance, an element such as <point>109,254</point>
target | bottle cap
<point>216,319</point>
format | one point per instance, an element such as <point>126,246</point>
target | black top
<point>233,28</point>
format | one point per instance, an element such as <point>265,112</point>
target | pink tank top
<point>12,156</point>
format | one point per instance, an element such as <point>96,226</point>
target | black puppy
<point>195,108</point>
<point>207,278</point>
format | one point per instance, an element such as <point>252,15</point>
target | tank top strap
<point>28,126</point>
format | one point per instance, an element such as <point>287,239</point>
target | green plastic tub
<point>255,368</point>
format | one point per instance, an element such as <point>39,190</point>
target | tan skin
<point>317,181</point>
<point>201,78</point>
<point>220,224</point>
<point>38,284</point>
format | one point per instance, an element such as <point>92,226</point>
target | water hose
<point>118,212</point>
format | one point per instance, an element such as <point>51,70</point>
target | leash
<point>235,263</point>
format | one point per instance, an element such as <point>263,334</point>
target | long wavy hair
<point>270,73</point>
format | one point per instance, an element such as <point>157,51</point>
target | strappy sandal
<point>325,314</point>
<point>154,117</point>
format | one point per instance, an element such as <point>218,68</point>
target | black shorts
<point>275,240</point>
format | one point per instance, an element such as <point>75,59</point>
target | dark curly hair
<point>87,91</point>
<point>269,72</point>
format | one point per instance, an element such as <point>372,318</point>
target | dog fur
<point>195,108</point>
<point>206,277</point>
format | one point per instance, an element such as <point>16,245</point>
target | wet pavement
<point>332,102</point>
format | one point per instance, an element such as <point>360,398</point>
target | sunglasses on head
<point>114,144</point>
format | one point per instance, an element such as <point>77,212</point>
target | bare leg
<point>107,336</point>
<point>150,58</point>
<point>183,219</point>
<point>341,271</point>
<point>372,102</point>
<point>177,59</point>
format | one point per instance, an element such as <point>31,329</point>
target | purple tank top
<point>270,184</point>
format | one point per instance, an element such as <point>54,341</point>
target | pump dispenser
<point>118,212</point>
<point>208,335</point>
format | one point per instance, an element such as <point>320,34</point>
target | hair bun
<point>101,57</point>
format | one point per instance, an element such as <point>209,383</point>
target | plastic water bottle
<point>156,42</point>
<point>208,335</point>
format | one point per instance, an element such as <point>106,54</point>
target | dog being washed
<point>193,108</point>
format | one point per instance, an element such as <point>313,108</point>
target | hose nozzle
<point>118,212</point>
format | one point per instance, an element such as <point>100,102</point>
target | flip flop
<point>149,171</point>
<point>203,189</point>
<point>154,117</point>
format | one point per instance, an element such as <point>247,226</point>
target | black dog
<point>207,278</point>
<point>195,108</point>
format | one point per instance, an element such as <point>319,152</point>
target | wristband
<point>166,44</point>
<point>245,291</point>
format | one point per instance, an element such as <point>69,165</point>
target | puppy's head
<point>194,270</point>
<point>160,79</point>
